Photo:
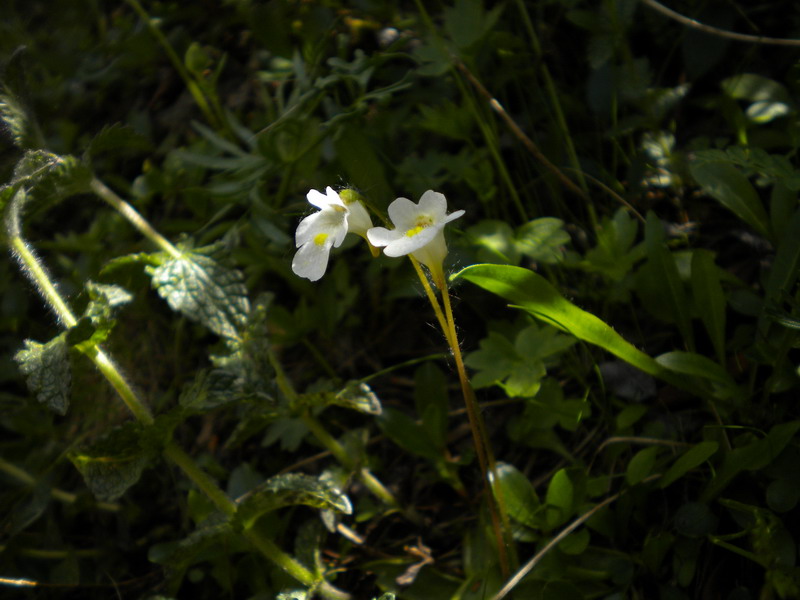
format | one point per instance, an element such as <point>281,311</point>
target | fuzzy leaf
<point>542,240</point>
<point>113,463</point>
<point>290,489</point>
<point>49,177</point>
<point>48,374</point>
<point>203,290</point>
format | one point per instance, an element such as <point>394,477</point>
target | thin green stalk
<point>33,269</point>
<point>137,220</point>
<point>216,120</point>
<point>316,428</point>
<point>486,462</point>
<point>62,496</point>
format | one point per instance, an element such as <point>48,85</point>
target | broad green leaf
<point>518,495</point>
<point>641,465</point>
<point>405,432</point>
<point>47,371</point>
<point>290,489</point>
<point>113,463</point>
<point>696,455</point>
<point>560,496</point>
<point>537,296</point>
<point>751,457</point>
<point>660,277</point>
<point>782,205</point>
<point>786,266</point>
<point>615,255</point>
<point>755,88</point>
<point>204,290</point>
<point>696,365</point>
<point>467,22</point>
<point>727,185</point>
<point>709,299</point>
<point>202,544</point>
<point>245,373</point>
<point>542,240</point>
<point>431,401</point>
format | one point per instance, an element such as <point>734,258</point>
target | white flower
<point>318,233</point>
<point>419,229</point>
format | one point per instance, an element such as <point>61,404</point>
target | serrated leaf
<point>355,395</point>
<point>290,489</point>
<point>48,372</point>
<point>113,463</point>
<point>49,177</point>
<point>117,138</point>
<point>151,259</point>
<point>215,532</point>
<point>203,290</point>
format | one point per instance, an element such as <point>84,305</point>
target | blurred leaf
<point>709,299</point>
<point>496,242</point>
<point>205,542</point>
<point>559,500</point>
<point>466,22</point>
<point>697,365</point>
<point>355,395</point>
<point>50,178</point>
<point>16,116</point>
<point>290,489</point>
<point>113,463</point>
<point>405,432</point>
<point>641,465</point>
<point>47,371</point>
<point>431,400</point>
<point>518,494</point>
<point>542,240</point>
<point>204,290</point>
<point>695,456</point>
<point>615,255</point>
<point>726,184</point>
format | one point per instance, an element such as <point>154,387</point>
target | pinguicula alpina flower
<point>316,234</point>
<point>419,230</point>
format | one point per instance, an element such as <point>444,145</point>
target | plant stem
<point>32,267</point>
<point>486,462</point>
<point>137,220</point>
<point>215,120</point>
<point>66,497</point>
<point>316,428</point>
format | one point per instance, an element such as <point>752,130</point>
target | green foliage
<point>310,436</point>
<point>47,371</point>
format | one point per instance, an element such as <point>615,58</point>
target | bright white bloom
<point>318,233</point>
<point>419,229</point>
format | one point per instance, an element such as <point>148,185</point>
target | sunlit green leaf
<point>518,495</point>
<point>47,371</point>
<point>290,489</point>
<point>559,499</point>
<point>204,290</point>
<point>542,240</point>
<point>695,456</point>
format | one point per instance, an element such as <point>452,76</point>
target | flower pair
<point>419,230</point>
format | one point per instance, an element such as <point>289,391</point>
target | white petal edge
<point>403,213</point>
<point>380,236</point>
<point>434,204</point>
<point>311,260</point>
<point>408,244</point>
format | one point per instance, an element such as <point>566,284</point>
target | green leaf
<point>518,495</point>
<point>560,496</point>
<point>431,401</point>
<point>50,178</point>
<point>727,185</point>
<point>405,432</point>
<point>113,463</point>
<point>542,240</point>
<point>16,116</point>
<point>467,22</point>
<point>615,255</point>
<point>696,365</point>
<point>537,296</point>
<point>786,266</point>
<point>290,489</point>
<point>695,456</point>
<point>203,290</point>
<point>709,299</point>
<point>641,465</point>
<point>496,242</point>
<point>203,543</point>
<point>755,88</point>
<point>47,371</point>
<point>665,295</point>
<point>355,395</point>
<point>752,457</point>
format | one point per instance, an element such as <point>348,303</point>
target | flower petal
<point>403,213</point>
<point>434,204</point>
<point>311,260</point>
<point>406,244</point>
<point>331,222</point>
<point>358,220</point>
<point>453,216</point>
<point>380,236</point>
